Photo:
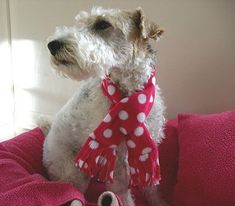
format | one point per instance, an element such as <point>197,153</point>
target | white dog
<point>104,41</point>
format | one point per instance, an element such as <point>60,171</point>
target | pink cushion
<point>23,177</point>
<point>21,174</point>
<point>206,174</point>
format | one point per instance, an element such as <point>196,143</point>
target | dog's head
<point>101,40</point>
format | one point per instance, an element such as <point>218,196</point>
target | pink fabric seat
<point>197,160</point>
<point>23,180</point>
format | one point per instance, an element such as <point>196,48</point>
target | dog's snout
<point>54,46</point>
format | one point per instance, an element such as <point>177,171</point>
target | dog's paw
<point>76,203</point>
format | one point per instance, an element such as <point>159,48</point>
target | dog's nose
<point>54,46</point>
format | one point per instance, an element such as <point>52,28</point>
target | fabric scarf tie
<point>125,121</point>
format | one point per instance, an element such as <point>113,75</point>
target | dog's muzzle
<point>54,46</point>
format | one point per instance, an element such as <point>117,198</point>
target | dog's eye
<point>102,25</point>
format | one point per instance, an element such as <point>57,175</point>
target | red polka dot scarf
<point>125,121</point>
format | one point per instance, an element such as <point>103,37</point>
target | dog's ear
<point>147,28</point>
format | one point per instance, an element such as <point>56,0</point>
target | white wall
<point>6,93</point>
<point>196,57</point>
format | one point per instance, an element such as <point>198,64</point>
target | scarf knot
<point>125,121</point>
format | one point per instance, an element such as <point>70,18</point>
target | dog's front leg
<point>120,180</point>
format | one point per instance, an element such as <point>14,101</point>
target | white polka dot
<point>93,144</point>
<point>146,150</point>
<point>107,133</point>
<point>101,160</point>
<point>142,98</point>
<point>151,99</point>
<point>141,117</point>
<point>114,149</point>
<point>108,118</point>
<point>157,182</point>
<point>147,176</point>
<point>92,135</point>
<point>111,89</point>
<point>114,152</point>
<point>85,165</point>
<point>97,159</point>
<point>123,115</point>
<point>131,144</point>
<point>139,131</point>
<point>154,80</point>
<point>144,157</point>
<point>126,160</point>
<point>132,170</point>
<point>80,163</point>
<point>157,161</point>
<point>124,100</point>
<point>111,174</point>
<point>123,130</point>
<point>113,146</point>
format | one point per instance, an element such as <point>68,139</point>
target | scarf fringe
<point>144,173</point>
<point>97,162</point>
